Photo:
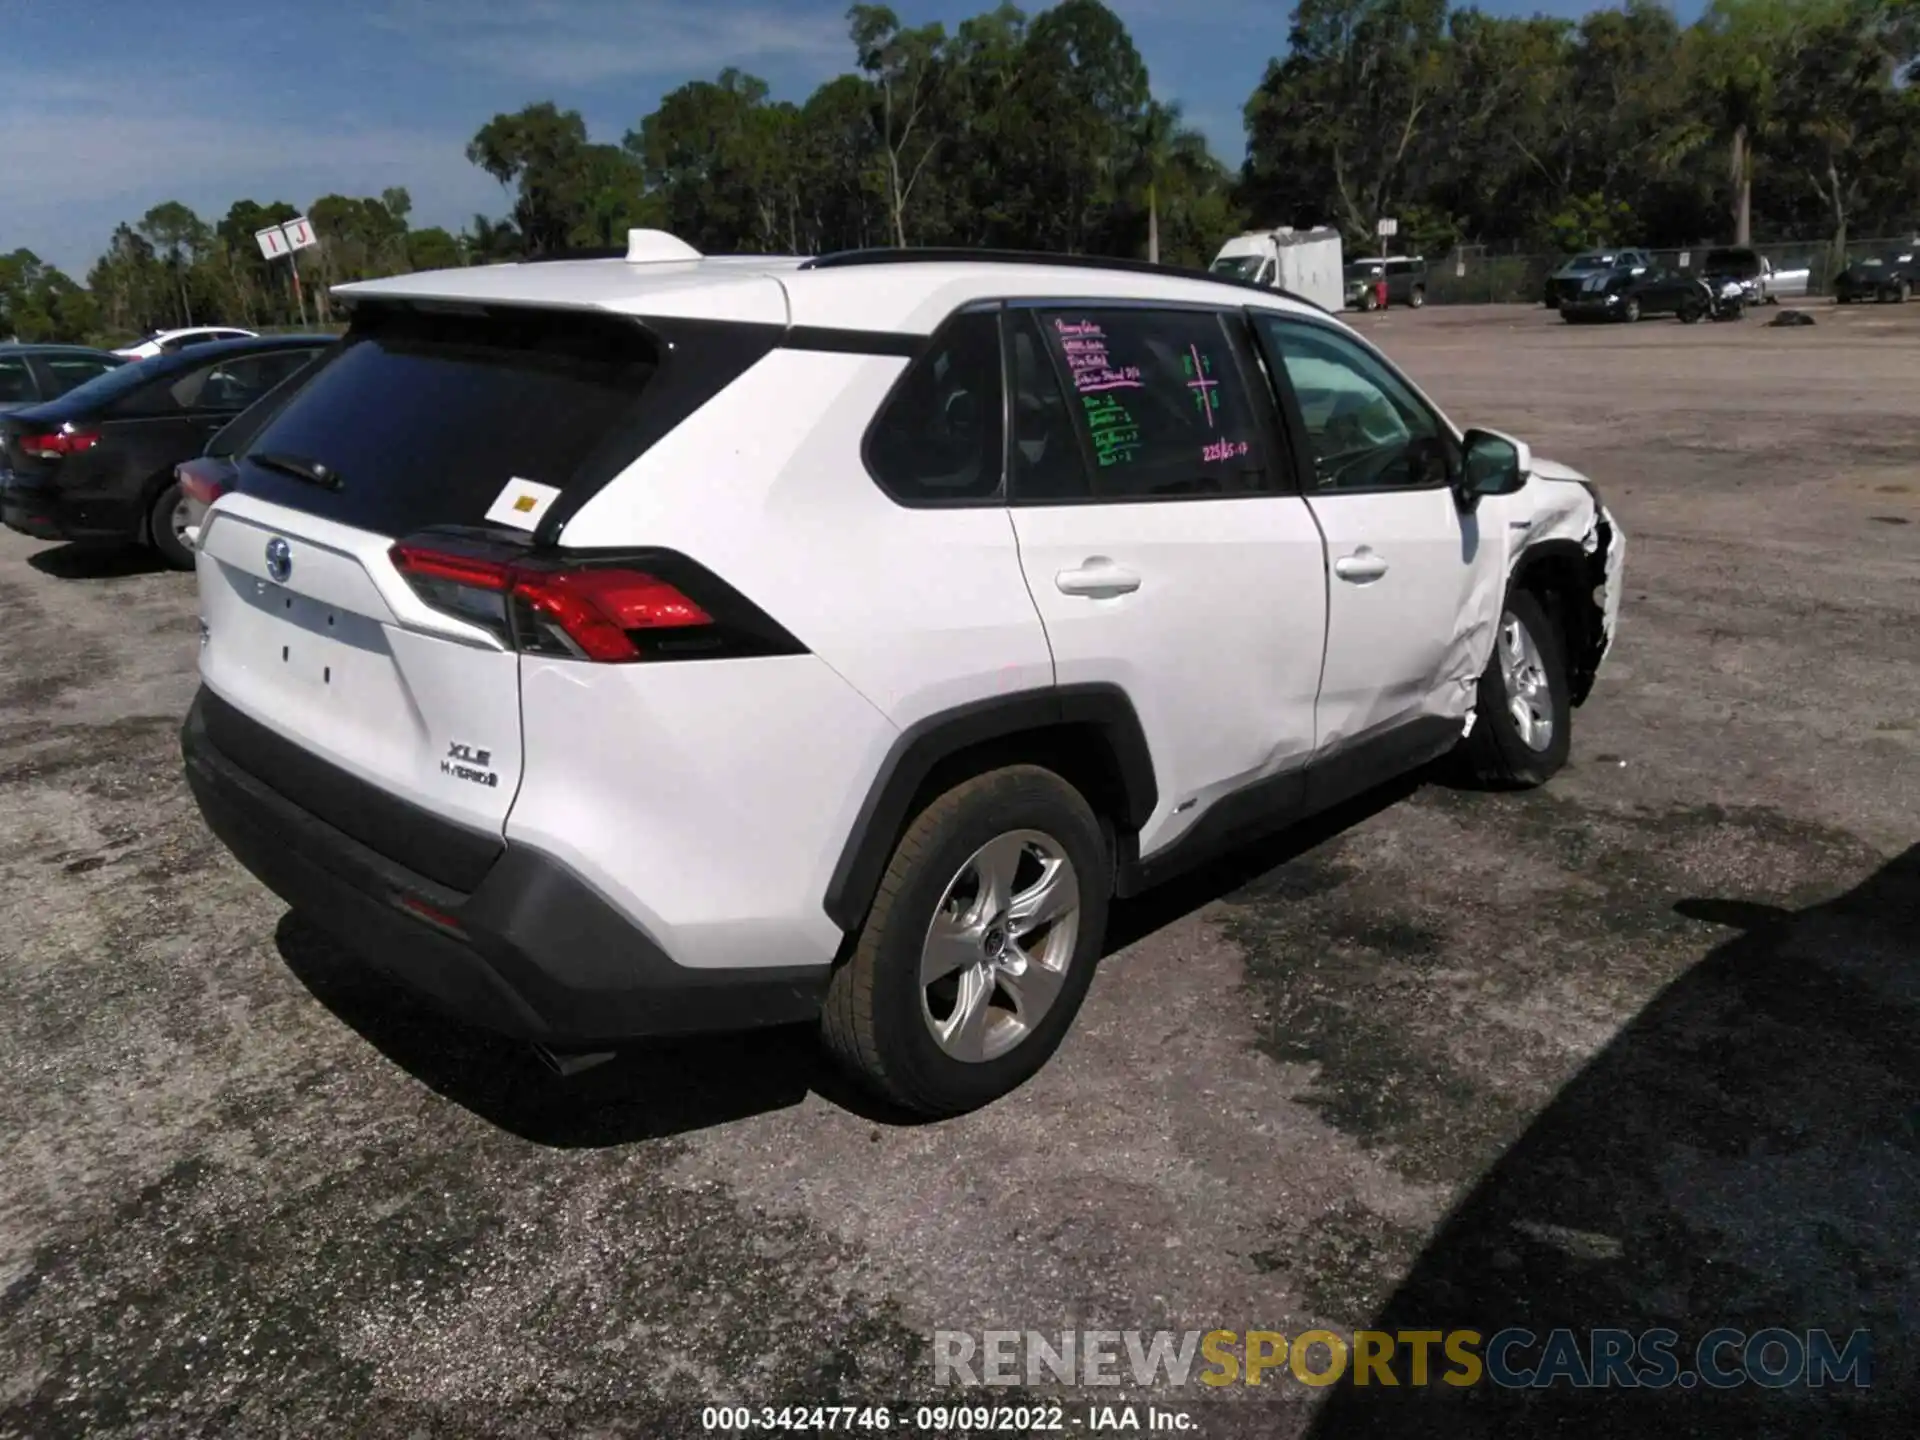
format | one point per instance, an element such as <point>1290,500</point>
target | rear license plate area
<point>314,646</point>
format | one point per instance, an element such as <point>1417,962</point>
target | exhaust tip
<point>571,1062</point>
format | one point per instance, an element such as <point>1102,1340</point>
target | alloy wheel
<point>1529,691</point>
<point>996,953</point>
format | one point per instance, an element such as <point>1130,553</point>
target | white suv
<point>617,647</point>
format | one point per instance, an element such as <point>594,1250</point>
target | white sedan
<point>166,342</point>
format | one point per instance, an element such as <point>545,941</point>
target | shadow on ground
<point>649,1091</point>
<point>1745,1153</point>
<point>96,562</point>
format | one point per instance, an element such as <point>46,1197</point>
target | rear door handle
<point>1098,578</point>
<point>1362,567</point>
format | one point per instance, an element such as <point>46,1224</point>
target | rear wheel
<point>1690,311</point>
<point>1370,301</point>
<point>1901,292</point>
<point>167,528</point>
<point>1524,715</point>
<point>979,947</point>
<point>1418,297</point>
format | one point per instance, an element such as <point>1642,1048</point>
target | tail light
<point>55,443</point>
<point>204,481</point>
<point>655,605</point>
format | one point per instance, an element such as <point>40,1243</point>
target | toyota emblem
<point>279,559</point>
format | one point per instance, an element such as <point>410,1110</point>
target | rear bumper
<point>43,512</point>
<point>531,952</point>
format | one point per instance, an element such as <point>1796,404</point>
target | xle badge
<point>463,762</point>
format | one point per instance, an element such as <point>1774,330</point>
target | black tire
<point>160,531</point>
<point>1901,292</point>
<point>1690,312</point>
<point>1843,299</point>
<point>1495,751</point>
<point>875,1022</point>
<point>1630,310</point>
<point>1418,297</point>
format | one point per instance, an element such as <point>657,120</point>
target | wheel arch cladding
<point>1090,735</point>
<point>1566,579</point>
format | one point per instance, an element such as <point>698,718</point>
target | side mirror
<point>1491,464</point>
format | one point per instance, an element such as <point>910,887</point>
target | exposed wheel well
<point>1561,577</point>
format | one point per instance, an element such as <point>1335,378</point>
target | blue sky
<point>110,106</point>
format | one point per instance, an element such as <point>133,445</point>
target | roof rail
<point>933,255</point>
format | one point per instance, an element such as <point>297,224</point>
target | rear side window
<point>1159,403</point>
<point>237,383</point>
<point>427,418</point>
<point>937,438</point>
<point>176,392</point>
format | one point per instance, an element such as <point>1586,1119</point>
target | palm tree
<point>1162,147</point>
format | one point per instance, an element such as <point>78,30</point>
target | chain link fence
<point>1487,275</point>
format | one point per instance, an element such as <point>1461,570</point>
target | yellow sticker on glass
<point>522,504</point>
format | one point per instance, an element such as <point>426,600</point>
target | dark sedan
<point>1892,276</point>
<point>97,464</point>
<point>1629,294</point>
<point>35,374</point>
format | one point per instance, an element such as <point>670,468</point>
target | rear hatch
<point>356,583</point>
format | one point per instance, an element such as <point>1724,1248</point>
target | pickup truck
<point>1764,284</point>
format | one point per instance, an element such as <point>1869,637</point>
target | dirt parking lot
<point>1640,1049</point>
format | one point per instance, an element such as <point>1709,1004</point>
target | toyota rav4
<point>618,647</point>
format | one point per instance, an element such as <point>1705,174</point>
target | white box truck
<point>1306,262</point>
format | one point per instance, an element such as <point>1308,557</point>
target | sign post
<point>1386,230</point>
<point>289,240</point>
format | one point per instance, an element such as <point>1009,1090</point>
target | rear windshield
<point>430,418</point>
<point>114,383</point>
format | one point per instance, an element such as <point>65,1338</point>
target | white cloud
<point>568,42</point>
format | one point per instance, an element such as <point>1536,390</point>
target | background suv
<point>616,647</point>
<point>1573,273</point>
<point>1388,280</point>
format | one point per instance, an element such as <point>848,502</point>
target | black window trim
<point>1305,463</point>
<point>1281,456</point>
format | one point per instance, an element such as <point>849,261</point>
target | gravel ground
<point>1639,1049</point>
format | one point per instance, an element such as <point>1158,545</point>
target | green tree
<point>433,249</point>
<point>907,72</point>
<point>539,154</point>
<point>179,237</point>
<point>717,165</point>
<point>39,302</point>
